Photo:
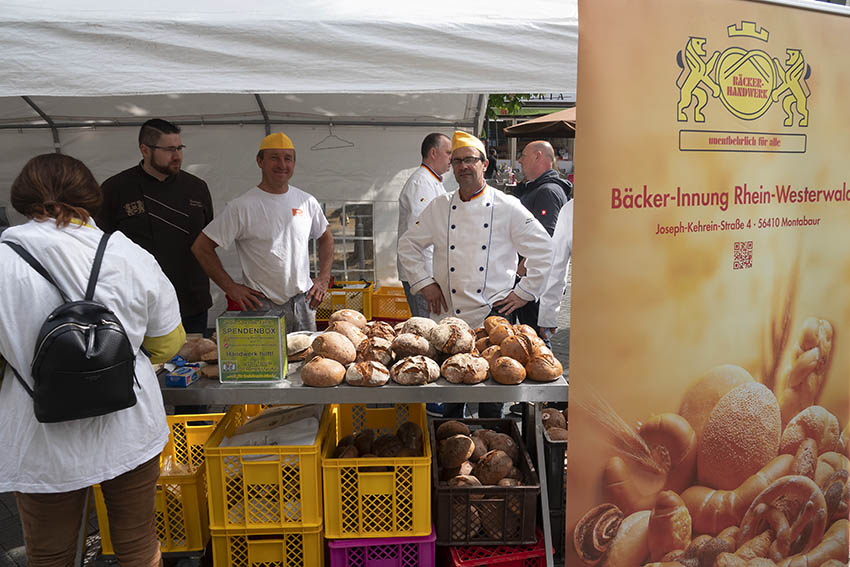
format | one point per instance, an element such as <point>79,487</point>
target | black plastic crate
<point>554,454</point>
<point>487,515</point>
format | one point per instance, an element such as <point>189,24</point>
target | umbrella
<point>561,124</point>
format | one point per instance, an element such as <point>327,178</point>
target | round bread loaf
<point>491,353</point>
<point>526,330</point>
<point>483,344</point>
<point>492,321</point>
<point>387,445</point>
<point>449,428</point>
<point>380,329</point>
<point>556,434</point>
<point>455,450</point>
<point>349,330</point>
<point>409,344</point>
<point>481,448</point>
<point>544,368</point>
<point>322,372</point>
<point>464,481</point>
<point>506,370</point>
<point>699,400</point>
<point>452,339</point>
<point>499,333</point>
<point>297,343</point>
<point>418,326</point>
<point>350,315</point>
<point>505,443</point>
<point>493,467</point>
<point>336,346</point>
<point>410,435</point>
<point>552,417</point>
<point>455,321</point>
<point>414,371</point>
<point>480,333</point>
<point>367,373</point>
<point>377,349</point>
<point>518,347</point>
<point>398,327</point>
<point>464,368</point>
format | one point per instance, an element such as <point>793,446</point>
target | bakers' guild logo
<point>747,81</point>
<point>134,208</point>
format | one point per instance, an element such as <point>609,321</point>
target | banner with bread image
<point>710,321</point>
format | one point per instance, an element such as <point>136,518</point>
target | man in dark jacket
<point>543,193</point>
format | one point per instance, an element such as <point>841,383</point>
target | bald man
<point>544,194</point>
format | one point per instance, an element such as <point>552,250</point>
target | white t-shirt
<point>59,457</point>
<point>272,234</point>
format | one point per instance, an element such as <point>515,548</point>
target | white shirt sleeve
<point>320,222</point>
<point>411,248</point>
<point>533,243</point>
<point>553,292</point>
<point>225,228</point>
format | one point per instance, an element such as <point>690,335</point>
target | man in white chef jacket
<point>477,233</point>
<point>553,291</point>
<point>420,188</point>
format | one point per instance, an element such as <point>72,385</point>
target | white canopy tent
<point>80,77</point>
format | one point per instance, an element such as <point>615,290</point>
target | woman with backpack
<point>79,400</point>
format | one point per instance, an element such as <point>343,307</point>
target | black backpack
<point>83,364</point>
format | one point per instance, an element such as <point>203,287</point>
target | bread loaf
<point>518,347</point>
<point>377,349</point>
<point>415,370</point>
<point>380,329</point>
<point>493,321</point>
<point>296,343</point>
<point>506,370</point>
<point>336,346</point>
<point>350,315</point>
<point>455,450</point>
<point>491,353</point>
<point>322,372</point>
<point>499,333</point>
<point>464,368</point>
<point>449,428</point>
<point>421,326</point>
<point>367,373</point>
<point>454,321</point>
<point>349,330</point>
<point>452,339</point>
<point>493,467</point>
<point>409,344</point>
<point>544,368</point>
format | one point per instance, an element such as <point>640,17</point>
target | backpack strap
<point>36,265</point>
<point>95,269</point>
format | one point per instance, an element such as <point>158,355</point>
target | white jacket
<point>475,252</point>
<point>421,187</point>
<point>562,239</point>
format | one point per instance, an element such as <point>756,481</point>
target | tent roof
<point>94,48</point>
<point>561,123</point>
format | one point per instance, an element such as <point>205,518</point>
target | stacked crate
<point>390,304</point>
<point>182,524</point>
<point>265,502</point>
<point>378,509</point>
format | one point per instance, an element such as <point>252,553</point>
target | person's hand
<point>434,296</point>
<point>546,333</point>
<point>248,299</point>
<point>520,269</point>
<point>317,293</point>
<point>509,304</point>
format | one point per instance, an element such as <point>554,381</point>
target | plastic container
<point>268,548</point>
<point>554,453</point>
<point>487,515</point>
<point>363,503</point>
<point>182,520</point>
<point>347,295</point>
<point>263,487</point>
<point>390,303</point>
<point>502,555</point>
<point>384,552</point>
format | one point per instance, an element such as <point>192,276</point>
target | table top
<point>292,390</point>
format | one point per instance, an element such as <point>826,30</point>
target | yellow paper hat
<point>464,140</point>
<point>276,141</point>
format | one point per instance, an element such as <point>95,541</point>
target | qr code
<point>743,255</point>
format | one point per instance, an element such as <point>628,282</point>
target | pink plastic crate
<point>501,555</point>
<point>384,552</point>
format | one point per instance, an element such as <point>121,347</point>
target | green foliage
<point>505,104</point>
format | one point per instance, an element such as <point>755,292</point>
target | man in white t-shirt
<point>419,189</point>
<point>271,226</point>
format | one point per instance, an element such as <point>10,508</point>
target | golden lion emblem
<point>696,72</point>
<point>795,83</point>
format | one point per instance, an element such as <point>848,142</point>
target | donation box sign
<point>710,339</point>
<point>251,347</point>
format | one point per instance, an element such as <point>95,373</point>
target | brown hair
<point>56,186</point>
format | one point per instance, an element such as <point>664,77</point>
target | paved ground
<point>12,541</point>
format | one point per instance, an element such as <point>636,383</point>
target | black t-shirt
<point>164,218</point>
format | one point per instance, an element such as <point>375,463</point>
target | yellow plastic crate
<point>389,302</point>
<point>364,504</point>
<point>263,487</point>
<point>269,548</point>
<point>352,295</point>
<point>182,520</point>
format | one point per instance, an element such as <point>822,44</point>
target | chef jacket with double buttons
<point>417,192</point>
<point>476,246</point>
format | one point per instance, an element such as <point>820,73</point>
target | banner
<point>710,339</point>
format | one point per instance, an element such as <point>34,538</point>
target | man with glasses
<point>163,209</point>
<point>425,184</point>
<point>477,233</point>
<point>271,226</point>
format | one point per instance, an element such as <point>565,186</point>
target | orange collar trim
<point>476,195</point>
<point>431,171</point>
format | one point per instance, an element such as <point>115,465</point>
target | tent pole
<point>56,145</point>
<point>265,113</point>
<point>480,114</point>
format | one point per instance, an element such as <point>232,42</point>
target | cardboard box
<point>182,377</point>
<point>252,345</point>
